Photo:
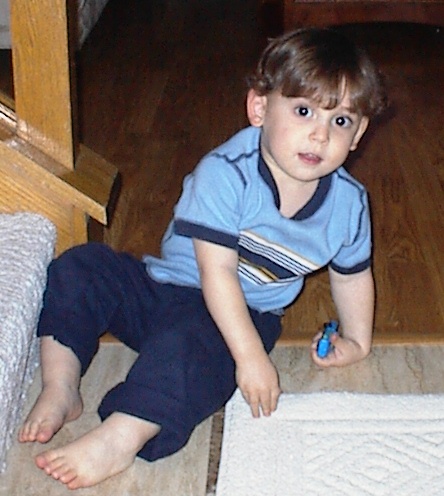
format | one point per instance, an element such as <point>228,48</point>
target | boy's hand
<point>345,352</point>
<point>258,381</point>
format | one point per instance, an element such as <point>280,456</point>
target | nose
<point>320,132</point>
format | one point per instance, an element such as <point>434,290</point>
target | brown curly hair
<point>320,64</point>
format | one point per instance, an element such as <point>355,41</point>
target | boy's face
<point>302,141</point>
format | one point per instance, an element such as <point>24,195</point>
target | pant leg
<point>184,372</point>
<point>90,290</point>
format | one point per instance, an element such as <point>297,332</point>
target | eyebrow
<point>341,108</point>
<point>347,109</point>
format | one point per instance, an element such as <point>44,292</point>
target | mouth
<point>310,158</point>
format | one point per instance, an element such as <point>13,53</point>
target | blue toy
<point>324,344</point>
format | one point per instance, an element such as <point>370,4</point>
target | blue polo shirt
<point>231,199</point>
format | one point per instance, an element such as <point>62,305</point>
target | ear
<point>256,107</point>
<point>363,125</point>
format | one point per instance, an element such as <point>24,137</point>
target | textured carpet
<point>26,247</point>
<point>336,444</point>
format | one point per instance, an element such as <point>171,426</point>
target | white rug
<point>335,444</point>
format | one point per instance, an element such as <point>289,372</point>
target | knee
<point>87,251</point>
<point>83,257</point>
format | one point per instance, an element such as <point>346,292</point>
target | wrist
<point>249,354</point>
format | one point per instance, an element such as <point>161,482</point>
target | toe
<point>69,478</point>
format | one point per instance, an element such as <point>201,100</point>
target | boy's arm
<point>256,375</point>
<point>354,297</point>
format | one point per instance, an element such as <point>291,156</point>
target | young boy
<point>260,212</point>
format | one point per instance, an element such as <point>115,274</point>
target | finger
<point>266,406</point>
<point>246,397</point>
<point>269,405</point>
<point>274,399</point>
<point>320,362</point>
<point>254,406</point>
<point>316,338</point>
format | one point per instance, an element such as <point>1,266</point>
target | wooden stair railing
<point>43,167</point>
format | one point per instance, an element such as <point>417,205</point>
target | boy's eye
<point>303,111</point>
<point>343,121</point>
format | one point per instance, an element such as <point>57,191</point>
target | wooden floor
<point>163,82</point>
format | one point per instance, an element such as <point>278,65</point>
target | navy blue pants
<point>184,371</point>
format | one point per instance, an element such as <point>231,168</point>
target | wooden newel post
<point>44,76</point>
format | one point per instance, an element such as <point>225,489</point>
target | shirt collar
<point>311,206</point>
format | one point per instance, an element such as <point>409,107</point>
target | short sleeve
<point>355,255</point>
<point>211,202</point>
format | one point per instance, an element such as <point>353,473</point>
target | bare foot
<point>59,401</point>
<point>105,451</point>
<point>56,405</point>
